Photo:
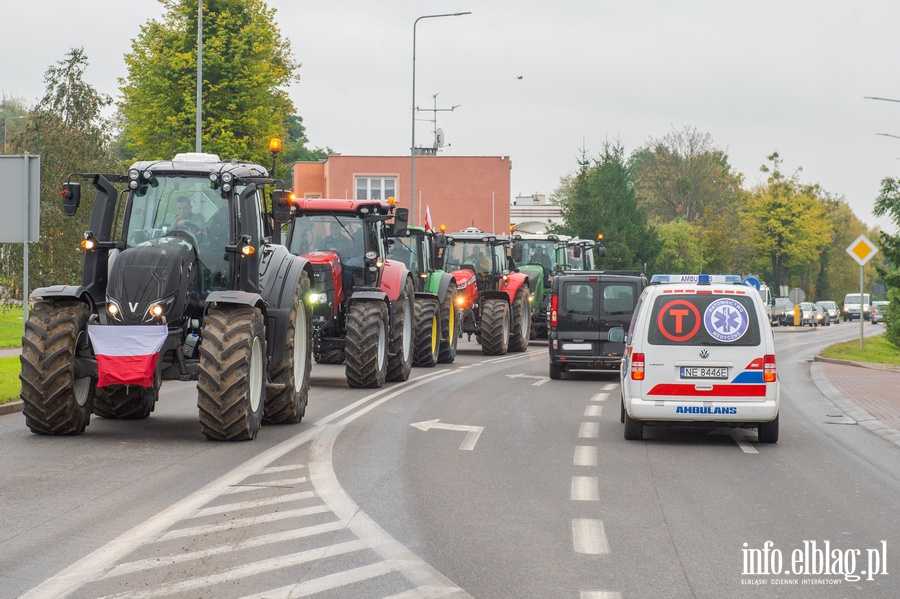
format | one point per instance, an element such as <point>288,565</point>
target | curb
<point>11,407</point>
<point>872,365</point>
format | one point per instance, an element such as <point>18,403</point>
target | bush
<point>892,318</point>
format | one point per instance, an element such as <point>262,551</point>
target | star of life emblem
<point>726,320</point>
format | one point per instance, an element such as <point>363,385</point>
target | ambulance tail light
<point>554,310</point>
<point>769,368</point>
<point>637,367</point>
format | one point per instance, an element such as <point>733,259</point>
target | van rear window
<point>615,298</point>
<point>691,319</point>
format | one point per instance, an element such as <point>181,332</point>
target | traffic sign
<point>797,295</point>
<point>753,282</point>
<point>862,250</point>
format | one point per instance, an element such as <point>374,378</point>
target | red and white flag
<point>428,225</point>
<point>127,354</point>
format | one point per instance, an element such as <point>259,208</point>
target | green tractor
<point>436,313</point>
<point>541,257</point>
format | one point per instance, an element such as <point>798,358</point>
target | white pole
<point>493,226</point>
<point>862,305</point>
<point>198,136</point>
<point>25,240</point>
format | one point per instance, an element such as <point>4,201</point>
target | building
<point>532,214</point>
<point>459,191</point>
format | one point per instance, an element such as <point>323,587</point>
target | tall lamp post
<point>412,148</point>
<point>5,121</point>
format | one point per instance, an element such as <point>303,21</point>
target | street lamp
<point>412,149</point>
<point>5,121</point>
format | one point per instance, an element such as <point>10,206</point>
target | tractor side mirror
<point>576,251</point>
<point>281,206</point>
<point>601,251</point>
<point>517,253</point>
<point>401,220</point>
<point>71,197</point>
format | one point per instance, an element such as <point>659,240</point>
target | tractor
<point>437,322</point>
<point>496,308</point>
<point>363,303</point>
<point>184,279</point>
<point>541,257</point>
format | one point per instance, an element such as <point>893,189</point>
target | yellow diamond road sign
<point>862,250</point>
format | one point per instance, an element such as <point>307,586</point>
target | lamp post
<point>412,148</point>
<point>5,121</point>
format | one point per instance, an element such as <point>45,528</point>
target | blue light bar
<point>704,278</point>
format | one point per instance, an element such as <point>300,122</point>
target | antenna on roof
<point>438,133</point>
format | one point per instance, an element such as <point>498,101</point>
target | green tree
<point>888,204</point>
<point>680,248</point>
<point>247,65</point>
<point>68,131</point>
<point>600,198</point>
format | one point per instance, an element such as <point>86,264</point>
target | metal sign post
<point>20,177</point>
<point>862,251</point>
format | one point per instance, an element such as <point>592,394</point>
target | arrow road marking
<point>540,379</point>
<point>468,443</point>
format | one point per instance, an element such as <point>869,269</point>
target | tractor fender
<point>516,280</point>
<point>495,295</point>
<point>236,298</point>
<point>425,295</point>
<point>369,295</point>
<point>446,279</point>
<point>60,292</point>
<point>278,285</point>
<point>393,276</point>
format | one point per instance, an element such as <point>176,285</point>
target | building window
<point>376,188</point>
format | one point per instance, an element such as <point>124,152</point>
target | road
<point>479,479</point>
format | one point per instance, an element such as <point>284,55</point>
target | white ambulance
<point>700,352</point>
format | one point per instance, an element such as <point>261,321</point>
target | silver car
<point>878,308</point>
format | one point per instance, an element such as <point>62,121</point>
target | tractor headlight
<point>112,308</point>
<point>158,308</point>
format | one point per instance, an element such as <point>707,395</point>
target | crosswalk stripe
<point>181,533</point>
<point>275,484</point>
<point>254,503</point>
<point>331,581</point>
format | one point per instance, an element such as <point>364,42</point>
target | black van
<point>589,313</point>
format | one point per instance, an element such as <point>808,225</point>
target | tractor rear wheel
<point>330,356</point>
<point>521,321</point>
<point>495,327</point>
<point>232,374</point>
<point>126,402</point>
<point>402,323</point>
<point>287,404</point>
<point>54,401</point>
<point>367,343</point>
<point>428,333</point>
<point>449,327</point>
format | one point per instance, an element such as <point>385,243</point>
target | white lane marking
<point>426,592</point>
<point>509,357</point>
<point>600,595</point>
<point>585,488</point>
<point>522,375</point>
<point>180,533</point>
<point>243,571</point>
<point>589,537</point>
<point>541,382</point>
<point>253,503</point>
<point>280,469</point>
<point>87,568</point>
<point>585,455</point>
<point>260,541</point>
<point>470,440</point>
<point>593,411</point>
<point>589,430</point>
<point>331,581</point>
<point>277,484</point>
<point>610,386</point>
<point>600,397</point>
<point>742,441</point>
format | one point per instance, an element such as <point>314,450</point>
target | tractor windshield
<point>473,254</point>
<point>539,252</point>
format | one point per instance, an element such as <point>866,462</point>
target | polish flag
<point>428,225</point>
<point>127,354</point>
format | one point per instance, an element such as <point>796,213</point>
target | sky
<point>543,81</point>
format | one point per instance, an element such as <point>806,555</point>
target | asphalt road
<point>509,486</point>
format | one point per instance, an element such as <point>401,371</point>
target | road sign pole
<point>25,239</point>
<point>862,305</point>
<point>862,251</point>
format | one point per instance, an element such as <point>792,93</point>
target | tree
<point>600,198</point>
<point>69,133</point>
<point>888,204</point>
<point>680,248</point>
<point>247,65</point>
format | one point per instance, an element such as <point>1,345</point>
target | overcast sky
<point>538,80</point>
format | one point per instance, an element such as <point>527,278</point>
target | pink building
<point>460,191</point>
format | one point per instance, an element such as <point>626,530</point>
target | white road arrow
<point>468,443</point>
<point>540,379</point>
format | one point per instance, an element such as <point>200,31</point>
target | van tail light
<point>769,368</point>
<point>554,310</point>
<point>637,367</point>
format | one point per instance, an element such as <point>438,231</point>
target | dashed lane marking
<point>593,411</point>
<point>589,536</point>
<point>589,430</point>
<point>600,397</point>
<point>585,488</point>
<point>742,441</point>
<point>585,455</point>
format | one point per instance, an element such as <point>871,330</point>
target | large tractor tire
<point>495,327</point>
<point>402,334</point>
<point>428,333</point>
<point>449,327</point>
<point>367,344</point>
<point>287,403</point>
<point>330,356</point>
<point>54,401</point>
<point>232,376</point>
<point>126,402</point>
<point>521,321</point>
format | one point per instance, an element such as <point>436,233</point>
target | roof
<point>194,163</point>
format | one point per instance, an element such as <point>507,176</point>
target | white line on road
<point>252,504</point>
<point>468,444</point>
<point>589,537</point>
<point>742,441</point>
<point>280,469</point>
<point>593,411</point>
<point>180,533</point>
<point>600,595</point>
<point>600,397</point>
<point>585,488</point>
<point>286,483</point>
<point>589,430</point>
<point>610,386</point>
<point>585,455</point>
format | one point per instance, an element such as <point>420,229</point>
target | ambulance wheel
<point>634,429</point>
<point>768,431</point>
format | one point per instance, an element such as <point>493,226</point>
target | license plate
<point>704,373</point>
<point>576,346</point>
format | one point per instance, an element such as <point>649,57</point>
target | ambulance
<point>700,352</point>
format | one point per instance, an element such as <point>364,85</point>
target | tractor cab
<point>480,252</point>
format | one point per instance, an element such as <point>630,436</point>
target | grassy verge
<point>9,379</point>
<point>11,327</point>
<point>875,349</point>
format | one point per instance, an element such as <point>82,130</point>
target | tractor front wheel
<point>400,358</point>
<point>495,327</point>
<point>367,340</point>
<point>287,405</point>
<point>449,326</point>
<point>428,333</point>
<point>521,321</point>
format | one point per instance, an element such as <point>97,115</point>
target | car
<point>807,314</point>
<point>856,304</point>
<point>587,318</point>
<point>700,355</point>
<point>783,312</point>
<point>821,315</point>
<point>878,309</point>
<point>834,312</point>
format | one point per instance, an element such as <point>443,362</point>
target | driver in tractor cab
<point>542,259</point>
<point>480,260</point>
<point>185,218</point>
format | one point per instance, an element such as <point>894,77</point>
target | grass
<point>9,379</point>
<point>875,349</point>
<point>11,326</point>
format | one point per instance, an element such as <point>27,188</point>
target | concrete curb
<point>872,365</point>
<point>11,407</point>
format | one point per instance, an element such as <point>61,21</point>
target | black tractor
<point>184,278</point>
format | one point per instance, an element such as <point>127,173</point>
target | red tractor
<point>362,302</point>
<point>493,296</point>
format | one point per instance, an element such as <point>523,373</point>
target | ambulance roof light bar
<point>703,279</point>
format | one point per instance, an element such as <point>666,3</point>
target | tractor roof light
<point>227,177</point>
<point>134,174</point>
<point>392,200</point>
<point>214,177</point>
<point>274,146</point>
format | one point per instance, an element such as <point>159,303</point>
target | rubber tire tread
<point>330,356</point>
<point>287,405</point>
<point>425,352</point>
<point>223,385</point>
<point>634,429</point>
<point>48,369</point>
<point>493,317</point>
<point>361,364</point>
<point>556,371</point>
<point>767,432</point>
<point>399,367</point>
<point>520,309</point>
<point>449,339</point>
<point>125,402</point>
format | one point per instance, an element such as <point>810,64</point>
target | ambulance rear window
<point>704,319</point>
